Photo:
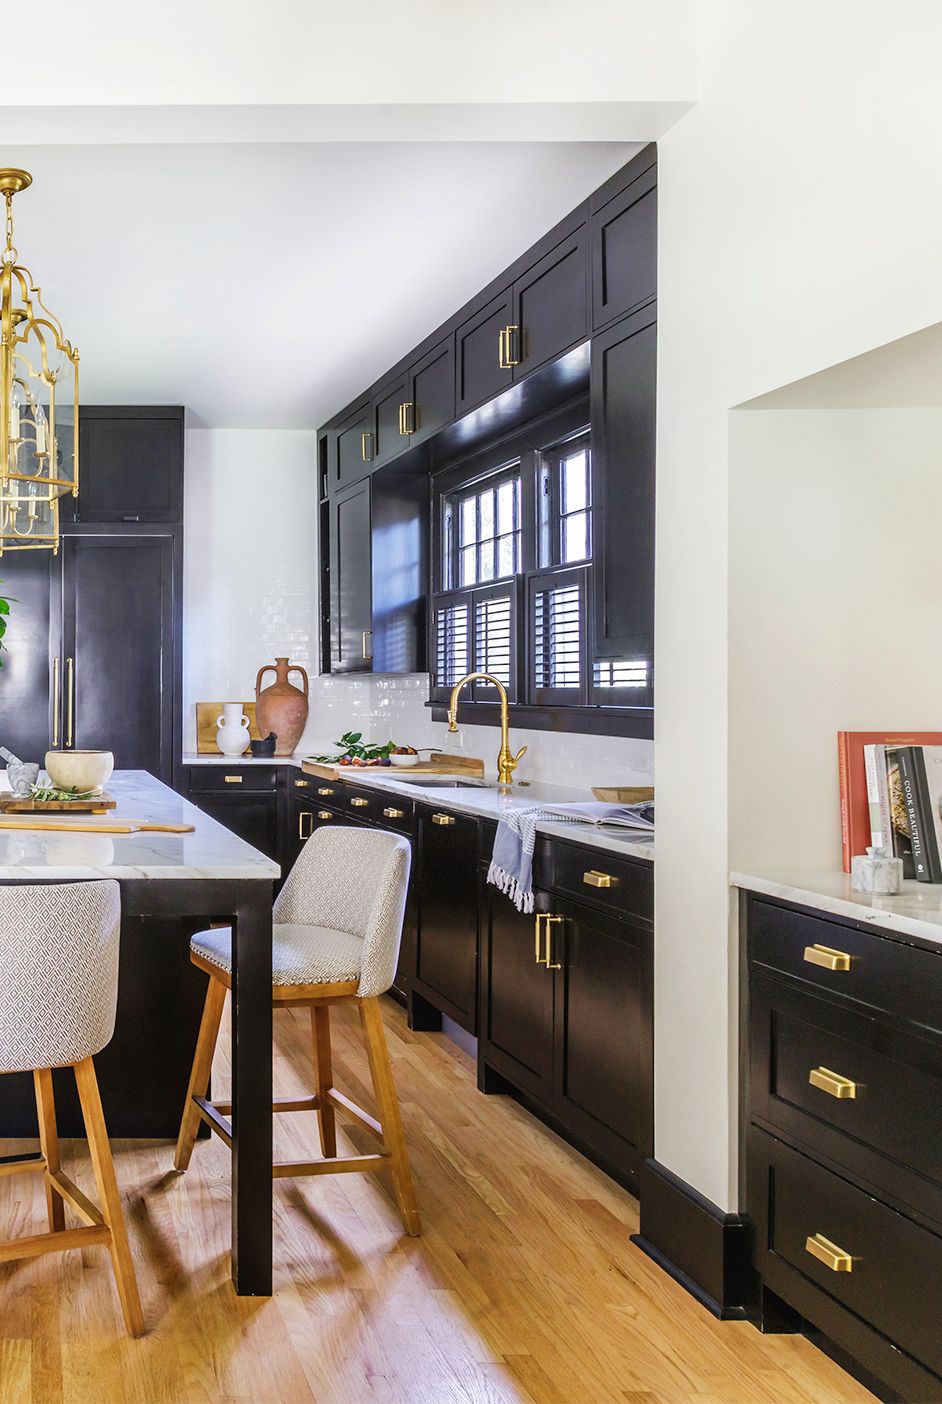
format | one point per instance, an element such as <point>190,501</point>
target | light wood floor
<point>523,1290</point>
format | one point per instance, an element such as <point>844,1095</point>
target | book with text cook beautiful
<point>855,806</point>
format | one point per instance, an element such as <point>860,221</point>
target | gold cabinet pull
<point>55,703</point>
<point>828,1253</point>
<point>325,790</point>
<point>407,417</point>
<point>597,879</point>
<point>832,1083</point>
<point>443,819</point>
<point>548,960</point>
<point>357,803</point>
<point>501,357</point>
<point>366,446</point>
<point>538,932</point>
<point>302,784</point>
<point>305,814</point>
<point>364,635</point>
<point>69,701</point>
<point>393,813</point>
<point>324,814</point>
<point>827,958</point>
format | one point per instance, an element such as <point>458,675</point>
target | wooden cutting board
<point>17,804</point>
<point>91,826</point>
<point>207,715</point>
<point>438,764</point>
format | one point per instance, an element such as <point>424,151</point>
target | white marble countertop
<point>916,911</point>
<point>211,851</point>
<point>215,758</point>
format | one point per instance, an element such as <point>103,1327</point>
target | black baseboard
<point>697,1244</point>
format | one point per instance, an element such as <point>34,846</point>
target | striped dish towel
<point>511,867</point>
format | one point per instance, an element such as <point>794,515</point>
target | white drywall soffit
<point>265,287</point>
<point>901,374</point>
<point>384,122</point>
<point>419,51</point>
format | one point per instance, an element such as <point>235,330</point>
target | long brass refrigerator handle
<point>69,701</point>
<point>55,703</point>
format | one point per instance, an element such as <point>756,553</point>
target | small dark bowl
<point>264,748</point>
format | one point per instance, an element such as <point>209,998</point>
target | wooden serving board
<point>624,794</point>
<point>438,764</point>
<point>207,714</point>
<point>17,804</point>
<point>90,826</point>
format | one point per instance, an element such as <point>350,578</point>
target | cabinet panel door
<point>433,391</point>
<point>603,1033</point>
<point>353,448</point>
<point>350,583</point>
<point>624,251</point>
<point>551,304</point>
<point>130,466</point>
<point>117,626</point>
<point>387,439</point>
<point>479,373</point>
<point>26,727</point>
<point>517,996</point>
<point>623,385</point>
<point>446,946</point>
<point>254,817</point>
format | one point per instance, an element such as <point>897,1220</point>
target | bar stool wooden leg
<point>109,1194</point>
<point>388,1103</point>
<point>200,1071</point>
<point>49,1145</point>
<point>324,1078</point>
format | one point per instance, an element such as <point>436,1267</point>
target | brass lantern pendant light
<point>39,416</point>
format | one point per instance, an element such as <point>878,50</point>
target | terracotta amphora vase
<point>281,707</point>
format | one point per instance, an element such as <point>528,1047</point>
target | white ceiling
<point>263,285</point>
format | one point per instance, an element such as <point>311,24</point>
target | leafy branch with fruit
<point>355,751</point>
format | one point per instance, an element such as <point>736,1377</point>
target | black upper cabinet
<point>353,447</point>
<point>479,373</point>
<point>551,306</point>
<point>350,581</point>
<point>431,401</point>
<point>399,530</point>
<point>622,393</point>
<point>386,422</point>
<point>118,649</point>
<point>624,251</point>
<point>130,465</point>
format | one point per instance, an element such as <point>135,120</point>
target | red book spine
<point>845,802</point>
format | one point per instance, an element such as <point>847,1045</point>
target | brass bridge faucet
<point>506,760</point>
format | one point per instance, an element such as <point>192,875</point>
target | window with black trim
<point>512,576</point>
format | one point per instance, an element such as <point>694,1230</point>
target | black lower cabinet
<point>517,994</point>
<point>244,799</point>
<point>842,1107</point>
<point>447,923</point>
<point>603,1044</point>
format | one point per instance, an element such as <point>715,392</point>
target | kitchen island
<point>171,886</point>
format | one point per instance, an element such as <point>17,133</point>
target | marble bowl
<point>79,770</point>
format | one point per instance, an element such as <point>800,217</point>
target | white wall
<point>833,611</point>
<point>800,222</point>
<point>250,561</point>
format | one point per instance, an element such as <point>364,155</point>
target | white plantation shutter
<point>558,625</point>
<point>451,643</point>
<point>621,673</point>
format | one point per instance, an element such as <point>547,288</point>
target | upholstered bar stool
<point>337,929</point>
<point>58,992</point>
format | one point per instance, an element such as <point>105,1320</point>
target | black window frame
<point>550,499</point>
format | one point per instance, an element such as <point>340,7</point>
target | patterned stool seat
<point>301,955</point>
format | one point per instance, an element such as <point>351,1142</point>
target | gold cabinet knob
<point>302,784</point>
<point>358,803</point>
<point>443,819</point>
<point>827,958</point>
<point>596,879</point>
<point>833,1083</point>
<point>324,814</point>
<point>828,1253</point>
<point>325,790</point>
<point>393,813</point>
<point>233,779</point>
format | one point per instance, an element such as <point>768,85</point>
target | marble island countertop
<point>915,912</point>
<point>211,851</point>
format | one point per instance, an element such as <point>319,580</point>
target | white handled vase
<point>232,736</point>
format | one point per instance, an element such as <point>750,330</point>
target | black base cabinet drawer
<point>232,780</point>
<point>887,975</point>
<point>594,875</point>
<point>894,1282</point>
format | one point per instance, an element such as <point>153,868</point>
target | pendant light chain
<point>9,253</point>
